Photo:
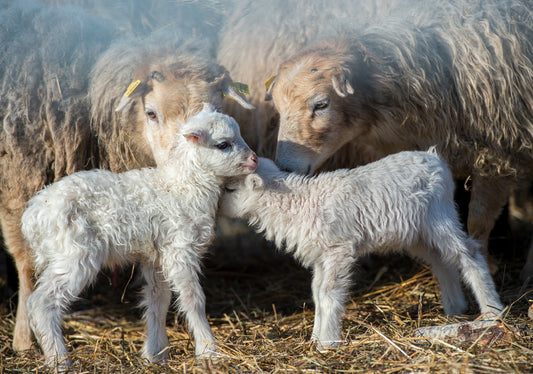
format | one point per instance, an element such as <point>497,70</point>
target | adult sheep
<point>455,74</point>
<point>259,35</point>
<point>61,82</point>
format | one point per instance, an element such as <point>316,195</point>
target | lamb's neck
<point>282,210</point>
<point>189,180</point>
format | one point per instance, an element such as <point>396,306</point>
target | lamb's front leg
<point>182,273</point>
<point>336,266</point>
<point>318,278</point>
<point>156,300</point>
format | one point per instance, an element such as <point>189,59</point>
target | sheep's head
<point>166,95</point>
<point>241,192</point>
<point>213,142</point>
<point>315,97</point>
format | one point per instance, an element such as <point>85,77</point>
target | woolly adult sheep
<point>403,201</point>
<point>161,217</point>
<point>60,85</point>
<point>457,74</point>
<point>259,35</point>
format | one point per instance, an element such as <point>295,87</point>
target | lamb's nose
<point>254,159</point>
<point>252,162</point>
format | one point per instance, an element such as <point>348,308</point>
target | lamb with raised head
<point>161,217</point>
<point>61,81</point>
<point>401,202</point>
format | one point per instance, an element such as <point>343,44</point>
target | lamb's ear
<point>341,84</point>
<point>135,89</point>
<point>198,137</point>
<point>254,181</point>
<point>269,83</point>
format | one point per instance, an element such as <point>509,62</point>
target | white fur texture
<point>401,202</point>
<point>161,217</point>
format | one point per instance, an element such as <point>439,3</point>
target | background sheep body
<point>403,201</point>
<point>162,218</point>
<point>455,74</point>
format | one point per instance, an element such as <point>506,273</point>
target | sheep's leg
<point>336,267</point>
<point>527,272</point>
<point>156,300</point>
<point>58,285</point>
<point>183,278</point>
<point>22,336</point>
<point>449,279</point>
<point>488,197</point>
<point>318,279</point>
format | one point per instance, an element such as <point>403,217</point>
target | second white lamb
<point>401,202</point>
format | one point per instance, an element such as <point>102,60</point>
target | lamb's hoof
<point>60,366</point>
<point>208,352</point>
<point>325,345</point>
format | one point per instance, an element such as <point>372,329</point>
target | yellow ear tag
<point>241,87</point>
<point>269,81</point>
<point>132,87</point>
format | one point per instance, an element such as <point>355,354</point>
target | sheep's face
<point>315,100</point>
<point>169,95</point>
<point>217,144</point>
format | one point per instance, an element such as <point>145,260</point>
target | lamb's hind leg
<point>464,252</point>
<point>449,279</point>
<point>58,285</point>
<point>156,301</point>
<point>336,269</point>
<point>22,336</point>
<point>477,275</point>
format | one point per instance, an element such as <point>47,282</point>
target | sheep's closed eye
<point>223,145</point>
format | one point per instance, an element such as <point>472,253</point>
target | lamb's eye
<point>321,105</point>
<point>151,115</point>
<point>223,145</point>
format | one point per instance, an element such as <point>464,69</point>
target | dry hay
<point>262,317</point>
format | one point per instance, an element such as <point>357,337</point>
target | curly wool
<point>401,202</point>
<point>162,218</point>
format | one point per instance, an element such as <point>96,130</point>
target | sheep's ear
<point>341,84</point>
<point>198,137</point>
<point>269,83</point>
<point>236,91</point>
<point>135,89</point>
<point>254,181</point>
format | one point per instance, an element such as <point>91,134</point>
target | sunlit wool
<point>161,217</point>
<point>455,74</point>
<point>61,82</point>
<point>401,202</point>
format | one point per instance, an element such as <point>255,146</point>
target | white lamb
<point>163,218</point>
<point>403,201</point>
